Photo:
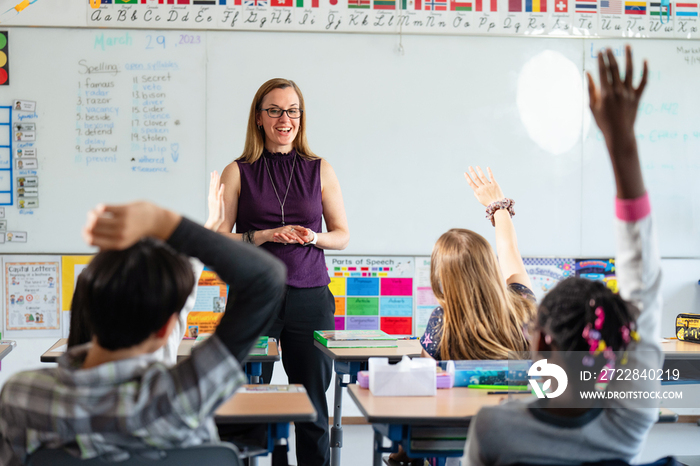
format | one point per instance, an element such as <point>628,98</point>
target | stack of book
<point>355,339</point>
<point>260,347</point>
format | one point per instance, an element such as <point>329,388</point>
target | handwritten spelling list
<point>132,113</point>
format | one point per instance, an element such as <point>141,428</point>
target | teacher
<point>276,193</point>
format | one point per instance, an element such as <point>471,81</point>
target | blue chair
<point>220,454</point>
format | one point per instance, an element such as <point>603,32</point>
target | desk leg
<point>337,428</point>
<point>378,448</point>
<point>254,371</point>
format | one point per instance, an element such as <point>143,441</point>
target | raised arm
<point>638,265</point>
<point>487,191</point>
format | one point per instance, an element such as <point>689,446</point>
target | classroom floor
<point>664,440</point>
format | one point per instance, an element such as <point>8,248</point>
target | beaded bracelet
<point>249,237</point>
<point>504,203</point>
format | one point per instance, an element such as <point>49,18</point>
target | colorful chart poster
<point>32,296</point>
<point>423,292</point>
<point>598,269</point>
<point>372,292</point>
<point>211,293</point>
<point>545,273</point>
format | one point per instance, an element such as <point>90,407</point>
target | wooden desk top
<point>411,348</point>
<point>5,350</point>
<point>273,354</point>
<point>675,349</point>
<point>452,407</point>
<point>247,407</point>
<point>183,351</point>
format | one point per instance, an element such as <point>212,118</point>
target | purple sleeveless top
<point>259,209</point>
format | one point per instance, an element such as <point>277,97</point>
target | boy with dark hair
<point>114,395</point>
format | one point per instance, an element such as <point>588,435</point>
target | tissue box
<point>443,379</point>
<point>410,377</point>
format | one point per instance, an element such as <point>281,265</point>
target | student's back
<point>114,395</point>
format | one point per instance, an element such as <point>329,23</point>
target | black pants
<point>303,311</point>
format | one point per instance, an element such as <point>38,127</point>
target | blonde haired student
<point>582,325</point>
<point>484,301</point>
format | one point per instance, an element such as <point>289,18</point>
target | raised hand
<point>215,201</point>
<point>614,108</point>
<point>615,105</point>
<point>486,189</point>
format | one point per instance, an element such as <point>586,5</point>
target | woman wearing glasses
<point>276,193</point>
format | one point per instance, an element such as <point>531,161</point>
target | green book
<point>260,347</point>
<point>355,339</point>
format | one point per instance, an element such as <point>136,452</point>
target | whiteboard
<point>398,128</point>
<point>99,95</point>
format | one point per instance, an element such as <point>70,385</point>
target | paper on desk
<point>271,389</point>
<point>60,349</point>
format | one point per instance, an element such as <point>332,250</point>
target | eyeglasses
<point>292,113</point>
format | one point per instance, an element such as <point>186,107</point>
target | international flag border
<point>586,6</point>
<point>684,13</point>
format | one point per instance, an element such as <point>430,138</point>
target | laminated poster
<point>545,273</point>
<point>425,299</point>
<point>372,292</point>
<point>211,293</point>
<point>32,296</point>
<point>598,269</point>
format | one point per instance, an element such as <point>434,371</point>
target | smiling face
<point>279,132</point>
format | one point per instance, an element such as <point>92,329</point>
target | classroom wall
<point>367,104</point>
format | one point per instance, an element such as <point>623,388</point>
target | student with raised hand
<point>484,301</point>
<point>113,394</point>
<point>581,317</point>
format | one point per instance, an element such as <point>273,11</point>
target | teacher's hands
<point>291,234</point>
<point>486,190</point>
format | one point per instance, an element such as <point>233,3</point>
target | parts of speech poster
<point>32,295</point>
<point>372,292</point>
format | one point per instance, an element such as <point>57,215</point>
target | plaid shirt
<point>133,403</point>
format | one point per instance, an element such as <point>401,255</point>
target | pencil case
<point>688,327</point>
<point>488,373</point>
<point>443,379</point>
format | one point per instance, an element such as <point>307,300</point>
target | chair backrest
<point>667,461</point>
<point>220,454</point>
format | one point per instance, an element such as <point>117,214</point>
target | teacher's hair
<point>255,137</point>
<point>483,318</point>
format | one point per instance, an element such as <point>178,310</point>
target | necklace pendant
<point>283,224</point>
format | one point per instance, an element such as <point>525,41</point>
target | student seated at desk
<point>580,317</point>
<point>113,395</point>
<point>483,307</point>
<point>80,332</point>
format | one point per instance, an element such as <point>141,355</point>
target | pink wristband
<point>631,210</point>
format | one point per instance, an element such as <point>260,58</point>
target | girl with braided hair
<point>582,326</point>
